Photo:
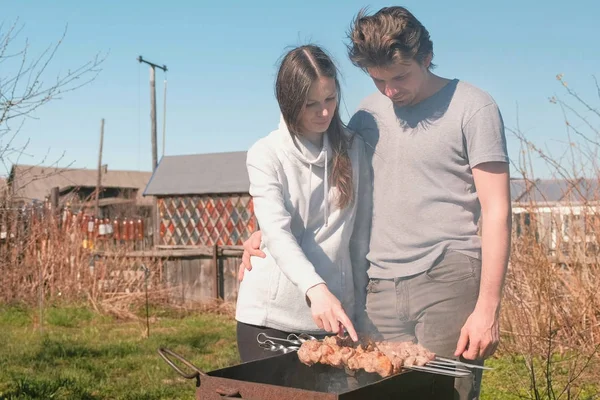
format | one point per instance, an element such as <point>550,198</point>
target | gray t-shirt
<point>424,197</point>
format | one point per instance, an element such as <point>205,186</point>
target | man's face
<point>402,82</point>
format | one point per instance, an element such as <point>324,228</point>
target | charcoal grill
<point>284,377</point>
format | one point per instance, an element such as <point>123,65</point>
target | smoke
<point>338,381</point>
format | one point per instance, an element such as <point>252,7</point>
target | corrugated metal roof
<point>200,174</point>
<point>226,173</point>
<point>554,191</point>
<point>32,182</point>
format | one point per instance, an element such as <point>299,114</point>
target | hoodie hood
<point>310,155</point>
<point>303,149</point>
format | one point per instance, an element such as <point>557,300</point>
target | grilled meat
<point>371,361</point>
<point>383,358</point>
<point>405,354</point>
<point>310,352</point>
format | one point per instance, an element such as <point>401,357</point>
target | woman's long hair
<point>299,69</point>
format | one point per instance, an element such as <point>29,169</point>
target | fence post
<point>216,264</point>
<point>54,195</point>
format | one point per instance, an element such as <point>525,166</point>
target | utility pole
<point>153,67</point>
<point>99,181</point>
<point>164,117</point>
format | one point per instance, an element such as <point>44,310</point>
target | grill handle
<point>229,394</point>
<point>165,353</point>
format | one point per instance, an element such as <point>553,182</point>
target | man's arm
<point>480,335</point>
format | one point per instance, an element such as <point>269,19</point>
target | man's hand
<point>480,335</point>
<point>251,248</point>
<point>327,311</point>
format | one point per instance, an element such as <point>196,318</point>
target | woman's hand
<point>251,248</point>
<point>327,311</point>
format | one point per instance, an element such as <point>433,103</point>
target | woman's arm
<point>274,220</point>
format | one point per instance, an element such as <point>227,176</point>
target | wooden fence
<point>30,223</point>
<point>195,274</point>
<point>65,241</point>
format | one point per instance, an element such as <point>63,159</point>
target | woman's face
<point>320,106</point>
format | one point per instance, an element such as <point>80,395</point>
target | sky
<point>221,59</point>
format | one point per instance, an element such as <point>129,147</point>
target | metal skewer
<point>299,339</point>
<point>449,361</point>
<point>458,373</point>
<point>263,337</point>
<point>303,337</point>
<point>272,346</point>
<point>450,370</point>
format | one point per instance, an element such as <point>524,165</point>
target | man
<point>440,163</point>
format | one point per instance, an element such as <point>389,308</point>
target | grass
<point>83,355</point>
<point>88,356</point>
<point>510,380</point>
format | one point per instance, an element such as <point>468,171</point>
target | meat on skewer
<point>383,358</point>
<point>405,354</point>
<point>371,361</point>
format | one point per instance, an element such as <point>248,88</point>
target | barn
<point>204,214</point>
<point>202,200</point>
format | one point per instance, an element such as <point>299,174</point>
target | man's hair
<point>392,34</point>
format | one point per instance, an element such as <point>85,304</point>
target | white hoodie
<point>307,238</point>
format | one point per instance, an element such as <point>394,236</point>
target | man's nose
<point>390,91</point>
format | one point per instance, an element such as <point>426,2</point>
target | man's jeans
<point>429,308</point>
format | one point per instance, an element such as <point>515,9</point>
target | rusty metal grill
<point>285,377</point>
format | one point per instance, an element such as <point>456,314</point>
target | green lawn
<point>84,355</point>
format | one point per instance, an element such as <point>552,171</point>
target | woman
<point>310,183</point>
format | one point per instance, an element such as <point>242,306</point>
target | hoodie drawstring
<point>325,192</point>
<point>326,188</point>
<point>307,206</point>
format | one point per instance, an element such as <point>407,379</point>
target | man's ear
<point>427,60</point>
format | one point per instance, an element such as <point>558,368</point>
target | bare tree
<point>25,86</point>
<point>551,318</point>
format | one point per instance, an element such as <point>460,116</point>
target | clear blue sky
<point>221,58</point>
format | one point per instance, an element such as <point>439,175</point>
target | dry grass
<point>46,262</point>
<point>551,309</point>
<point>550,323</point>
